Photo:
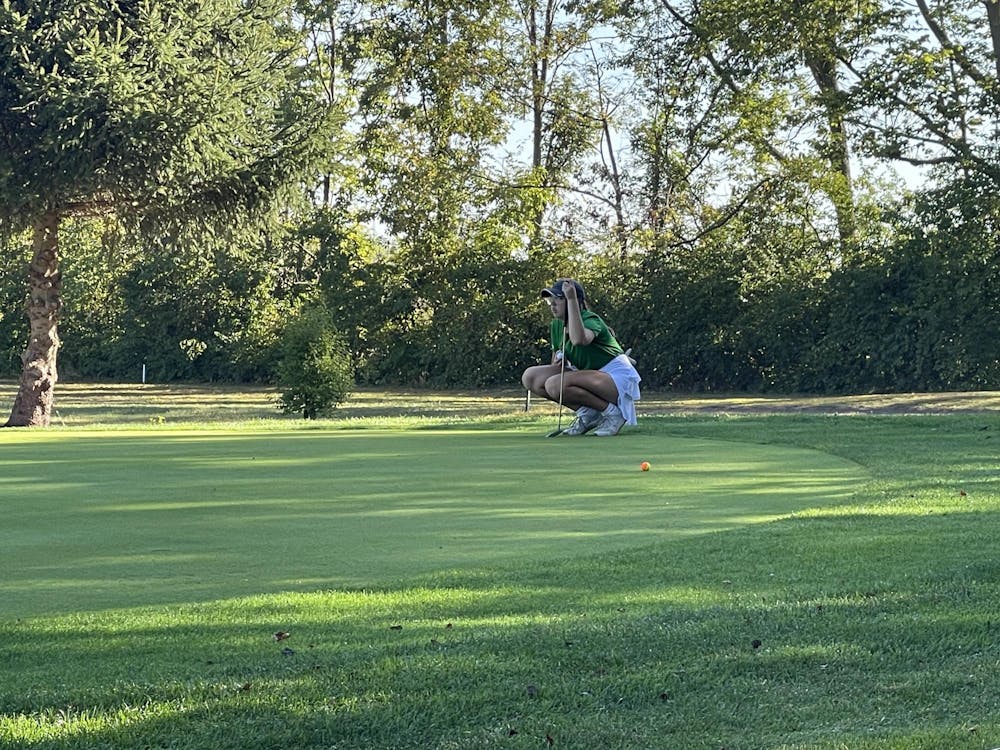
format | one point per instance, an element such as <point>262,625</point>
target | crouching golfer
<point>599,382</point>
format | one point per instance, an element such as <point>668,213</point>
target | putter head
<point>555,433</point>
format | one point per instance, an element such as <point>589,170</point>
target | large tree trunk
<point>33,403</point>
<point>540,40</point>
<point>993,16</point>
<point>836,150</point>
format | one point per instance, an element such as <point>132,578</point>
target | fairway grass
<point>155,517</point>
<point>808,582</point>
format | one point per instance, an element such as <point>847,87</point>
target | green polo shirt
<point>597,353</point>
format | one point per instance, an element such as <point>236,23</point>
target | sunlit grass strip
<point>110,405</point>
<point>535,659</point>
<point>69,724</point>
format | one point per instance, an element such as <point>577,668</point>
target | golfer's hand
<point>569,290</point>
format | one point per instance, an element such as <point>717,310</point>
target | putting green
<point>93,520</point>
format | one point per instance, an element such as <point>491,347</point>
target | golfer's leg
<point>591,388</point>
<point>535,378</point>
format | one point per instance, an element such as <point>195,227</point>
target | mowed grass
<point>774,582</point>
<point>135,517</point>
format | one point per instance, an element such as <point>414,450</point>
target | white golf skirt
<point>627,380</point>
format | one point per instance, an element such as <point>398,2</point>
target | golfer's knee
<point>533,380</point>
<point>552,387</point>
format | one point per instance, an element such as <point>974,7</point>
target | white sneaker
<point>610,423</point>
<point>586,420</point>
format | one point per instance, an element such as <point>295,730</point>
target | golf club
<point>562,374</point>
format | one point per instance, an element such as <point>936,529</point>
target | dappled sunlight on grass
<point>287,509</point>
<point>802,583</point>
<point>82,404</point>
<point>78,404</point>
<point>561,658</point>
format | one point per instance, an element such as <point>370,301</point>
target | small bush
<point>316,371</point>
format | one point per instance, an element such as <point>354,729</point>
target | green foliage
<point>926,90</point>
<point>916,318</point>
<point>316,367</point>
<point>145,105</point>
<point>757,304</point>
<point>762,305</point>
<point>14,257</point>
<point>715,247</point>
<point>97,260</point>
<point>171,116</point>
<point>186,307</point>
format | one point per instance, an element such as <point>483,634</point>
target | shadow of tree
<point>811,632</point>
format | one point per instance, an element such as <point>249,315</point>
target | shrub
<point>315,371</point>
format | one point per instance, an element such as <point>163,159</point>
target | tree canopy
<point>163,111</point>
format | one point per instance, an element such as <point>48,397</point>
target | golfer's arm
<point>579,335</point>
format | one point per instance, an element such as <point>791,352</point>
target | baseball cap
<point>556,290</point>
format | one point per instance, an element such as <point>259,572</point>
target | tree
<point>429,79</point>
<point>927,92</point>
<point>564,126</point>
<point>161,111</point>
<point>315,371</point>
<point>765,81</point>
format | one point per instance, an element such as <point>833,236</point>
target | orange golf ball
<point>644,466</point>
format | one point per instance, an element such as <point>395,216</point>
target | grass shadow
<point>767,632</point>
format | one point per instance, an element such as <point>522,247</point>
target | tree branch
<point>957,52</point>
<point>721,72</point>
<point>731,213</point>
<point>961,151</point>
